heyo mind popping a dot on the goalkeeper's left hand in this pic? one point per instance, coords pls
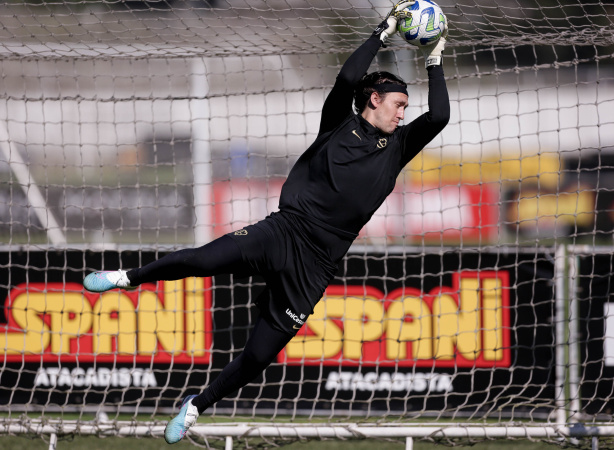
(389, 25)
(432, 53)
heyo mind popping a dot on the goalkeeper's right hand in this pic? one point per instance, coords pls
(433, 53)
(389, 25)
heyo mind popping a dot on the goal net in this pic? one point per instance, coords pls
(474, 305)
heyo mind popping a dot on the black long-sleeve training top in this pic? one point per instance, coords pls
(350, 169)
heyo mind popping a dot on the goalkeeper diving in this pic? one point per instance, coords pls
(330, 194)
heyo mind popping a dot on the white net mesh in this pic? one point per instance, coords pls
(479, 292)
(223, 28)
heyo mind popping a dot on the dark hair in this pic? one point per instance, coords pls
(368, 85)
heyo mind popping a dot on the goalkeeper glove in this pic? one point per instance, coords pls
(432, 53)
(389, 25)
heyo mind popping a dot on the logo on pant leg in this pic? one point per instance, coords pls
(298, 319)
(242, 232)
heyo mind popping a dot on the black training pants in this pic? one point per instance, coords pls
(261, 349)
(219, 256)
(265, 342)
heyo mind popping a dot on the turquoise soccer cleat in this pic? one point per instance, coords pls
(179, 426)
(107, 280)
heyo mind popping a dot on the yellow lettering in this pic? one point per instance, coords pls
(148, 323)
(363, 321)
(458, 324)
(106, 328)
(195, 316)
(430, 169)
(26, 310)
(465, 326)
(327, 340)
(492, 301)
(69, 323)
(399, 332)
(549, 210)
(70, 317)
(162, 323)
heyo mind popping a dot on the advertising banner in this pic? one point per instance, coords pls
(394, 332)
(63, 345)
(414, 212)
(414, 332)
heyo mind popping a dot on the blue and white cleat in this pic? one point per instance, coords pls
(107, 280)
(179, 426)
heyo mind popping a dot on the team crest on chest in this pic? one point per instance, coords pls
(383, 142)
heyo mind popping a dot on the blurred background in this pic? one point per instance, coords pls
(139, 127)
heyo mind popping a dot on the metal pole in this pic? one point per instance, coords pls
(201, 153)
(559, 314)
(36, 199)
(574, 337)
(409, 443)
(53, 441)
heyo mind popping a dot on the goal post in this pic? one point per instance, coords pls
(473, 306)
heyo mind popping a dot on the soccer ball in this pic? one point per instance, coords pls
(424, 24)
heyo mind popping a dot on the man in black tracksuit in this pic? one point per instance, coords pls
(330, 194)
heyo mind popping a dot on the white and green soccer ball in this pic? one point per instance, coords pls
(424, 24)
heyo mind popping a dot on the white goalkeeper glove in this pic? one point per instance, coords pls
(432, 53)
(389, 25)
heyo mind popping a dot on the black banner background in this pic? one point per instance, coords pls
(529, 380)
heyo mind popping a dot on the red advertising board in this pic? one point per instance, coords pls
(413, 212)
(61, 322)
(466, 324)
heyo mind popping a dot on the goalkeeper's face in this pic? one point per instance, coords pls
(386, 111)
